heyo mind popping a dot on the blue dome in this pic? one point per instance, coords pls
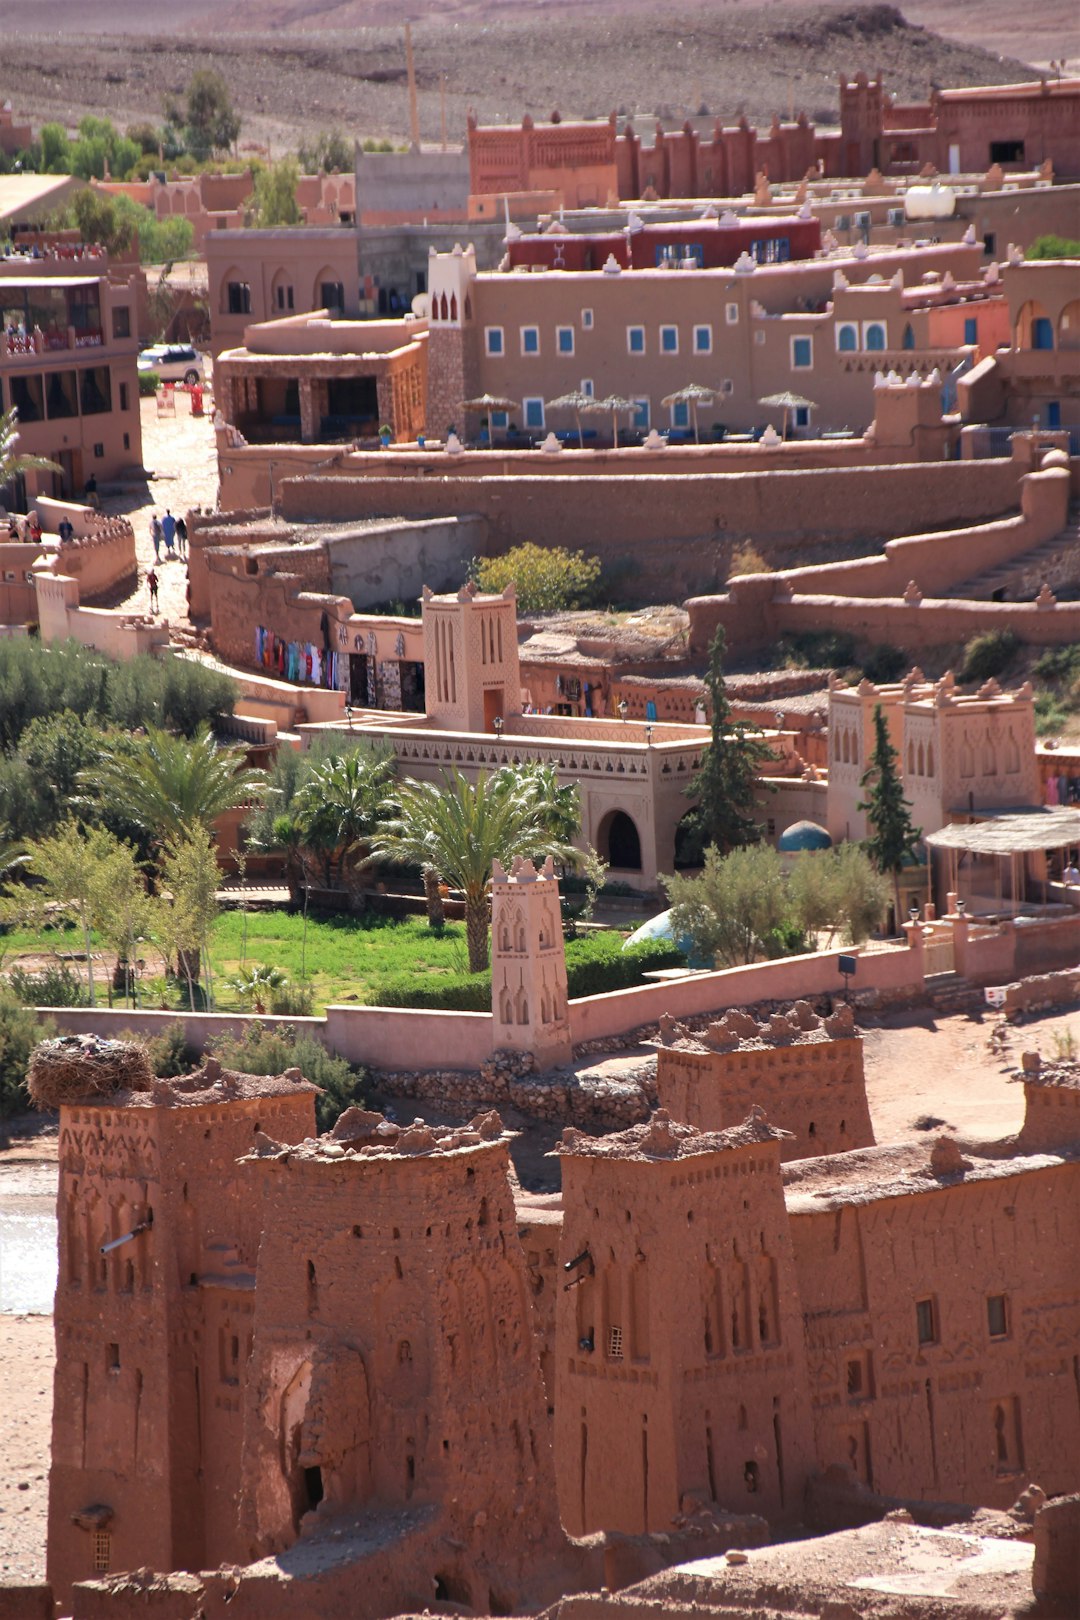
(803, 835)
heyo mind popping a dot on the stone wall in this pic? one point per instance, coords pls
(670, 536)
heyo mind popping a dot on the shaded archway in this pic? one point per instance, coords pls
(1034, 329)
(1069, 326)
(618, 841)
(688, 849)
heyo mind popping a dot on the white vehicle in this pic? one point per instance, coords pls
(172, 362)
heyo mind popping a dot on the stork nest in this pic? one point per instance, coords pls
(73, 1068)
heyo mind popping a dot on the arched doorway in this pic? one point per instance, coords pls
(1069, 326)
(1034, 329)
(619, 843)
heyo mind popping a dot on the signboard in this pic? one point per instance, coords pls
(848, 965)
(995, 995)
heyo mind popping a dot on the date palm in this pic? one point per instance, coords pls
(173, 783)
(12, 465)
(460, 828)
(340, 806)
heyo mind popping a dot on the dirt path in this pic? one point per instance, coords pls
(180, 456)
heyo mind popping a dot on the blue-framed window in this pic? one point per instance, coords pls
(499, 419)
(635, 339)
(874, 336)
(802, 416)
(676, 252)
(802, 353)
(669, 340)
(847, 337)
(971, 329)
(533, 410)
(530, 340)
(564, 339)
(494, 342)
(771, 249)
(703, 340)
(641, 415)
(680, 414)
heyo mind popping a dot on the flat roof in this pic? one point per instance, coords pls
(20, 192)
(37, 282)
(1011, 833)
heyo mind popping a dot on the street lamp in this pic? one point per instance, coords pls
(648, 735)
(623, 708)
(498, 724)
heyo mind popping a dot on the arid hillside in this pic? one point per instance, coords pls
(298, 66)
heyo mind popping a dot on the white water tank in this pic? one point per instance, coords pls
(929, 202)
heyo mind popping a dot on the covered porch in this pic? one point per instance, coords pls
(1012, 863)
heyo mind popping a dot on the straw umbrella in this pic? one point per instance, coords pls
(486, 403)
(694, 394)
(613, 403)
(575, 401)
(787, 402)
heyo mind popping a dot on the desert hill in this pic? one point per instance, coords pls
(298, 66)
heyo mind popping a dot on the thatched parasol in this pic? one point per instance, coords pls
(613, 403)
(484, 404)
(577, 401)
(787, 402)
(694, 394)
(74, 1067)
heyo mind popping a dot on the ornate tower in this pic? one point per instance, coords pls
(471, 657)
(679, 1349)
(451, 334)
(528, 964)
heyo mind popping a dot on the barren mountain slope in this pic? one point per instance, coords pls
(524, 56)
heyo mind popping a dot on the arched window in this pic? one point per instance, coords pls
(929, 759)
(847, 338)
(453, 306)
(922, 761)
(506, 1008)
(522, 1007)
(908, 339)
(875, 336)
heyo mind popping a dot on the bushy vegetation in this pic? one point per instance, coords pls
(549, 579)
(265, 1050)
(595, 965)
(1054, 247)
(1057, 672)
(20, 1031)
(989, 654)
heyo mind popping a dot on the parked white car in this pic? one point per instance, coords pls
(173, 362)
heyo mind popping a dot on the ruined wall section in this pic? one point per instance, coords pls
(804, 1072)
(942, 1322)
(679, 1346)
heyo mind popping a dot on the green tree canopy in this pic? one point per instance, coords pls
(548, 579)
(727, 783)
(893, 835)
(330, 153)
(12, 464)
(210, 124)
(174, 784)
(341, 805)
(274, 198)
(460, 828)
(730, 911)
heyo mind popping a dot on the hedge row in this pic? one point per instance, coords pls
(595, 965)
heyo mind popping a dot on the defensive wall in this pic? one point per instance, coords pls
(671, 538)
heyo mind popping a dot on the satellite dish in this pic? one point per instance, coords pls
(421, 305)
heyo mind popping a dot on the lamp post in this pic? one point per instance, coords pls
(498, 724)
(623, 708)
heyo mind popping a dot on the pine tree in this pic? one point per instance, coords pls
(893, 835)
(728, 780)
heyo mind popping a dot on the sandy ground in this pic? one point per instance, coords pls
(179, 455)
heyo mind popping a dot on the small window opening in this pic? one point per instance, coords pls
(615, 1352)
(313, 1487)
(926, 1321)
(751, 1477)
(854, 1378)
(112, 1358)
(997, 1316)
(102, 1551)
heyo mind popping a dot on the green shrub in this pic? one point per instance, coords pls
(1051, 715)
(884, 663)
(263, 1050)
(54, 986)
(293, 1000)
(1057, 665)
(169, 1052)
(149, 383)
(988, 654)
(442, 992)
(595, 963)
(817, 649)
(20, 1031)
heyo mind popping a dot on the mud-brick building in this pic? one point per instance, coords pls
(154, 1319)
(678, 1346)
(311, 379)
(801, 1070)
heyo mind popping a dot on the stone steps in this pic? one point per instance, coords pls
(1021, 577)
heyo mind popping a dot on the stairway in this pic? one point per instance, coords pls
(1057, 561)
(951, 993)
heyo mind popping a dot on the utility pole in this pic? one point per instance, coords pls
(442, 108)
(410, 68)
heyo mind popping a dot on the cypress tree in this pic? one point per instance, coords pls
(893, 834)
(727, 781)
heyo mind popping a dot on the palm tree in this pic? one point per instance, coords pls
(173, 783)
(12, 465)
(461, 828)
(340, 806)
(558, 806)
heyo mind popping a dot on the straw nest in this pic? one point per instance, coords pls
(75, 1067)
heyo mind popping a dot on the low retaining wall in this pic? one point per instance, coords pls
(790, 979)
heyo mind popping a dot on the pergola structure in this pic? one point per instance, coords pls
(1017, 845)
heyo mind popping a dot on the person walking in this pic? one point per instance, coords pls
(152, 581)
(181, 537)
(168, 531)
(156, 536)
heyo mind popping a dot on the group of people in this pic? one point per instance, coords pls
(27, 529)
(169, 532)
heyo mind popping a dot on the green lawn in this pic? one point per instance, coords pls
(345, 957)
